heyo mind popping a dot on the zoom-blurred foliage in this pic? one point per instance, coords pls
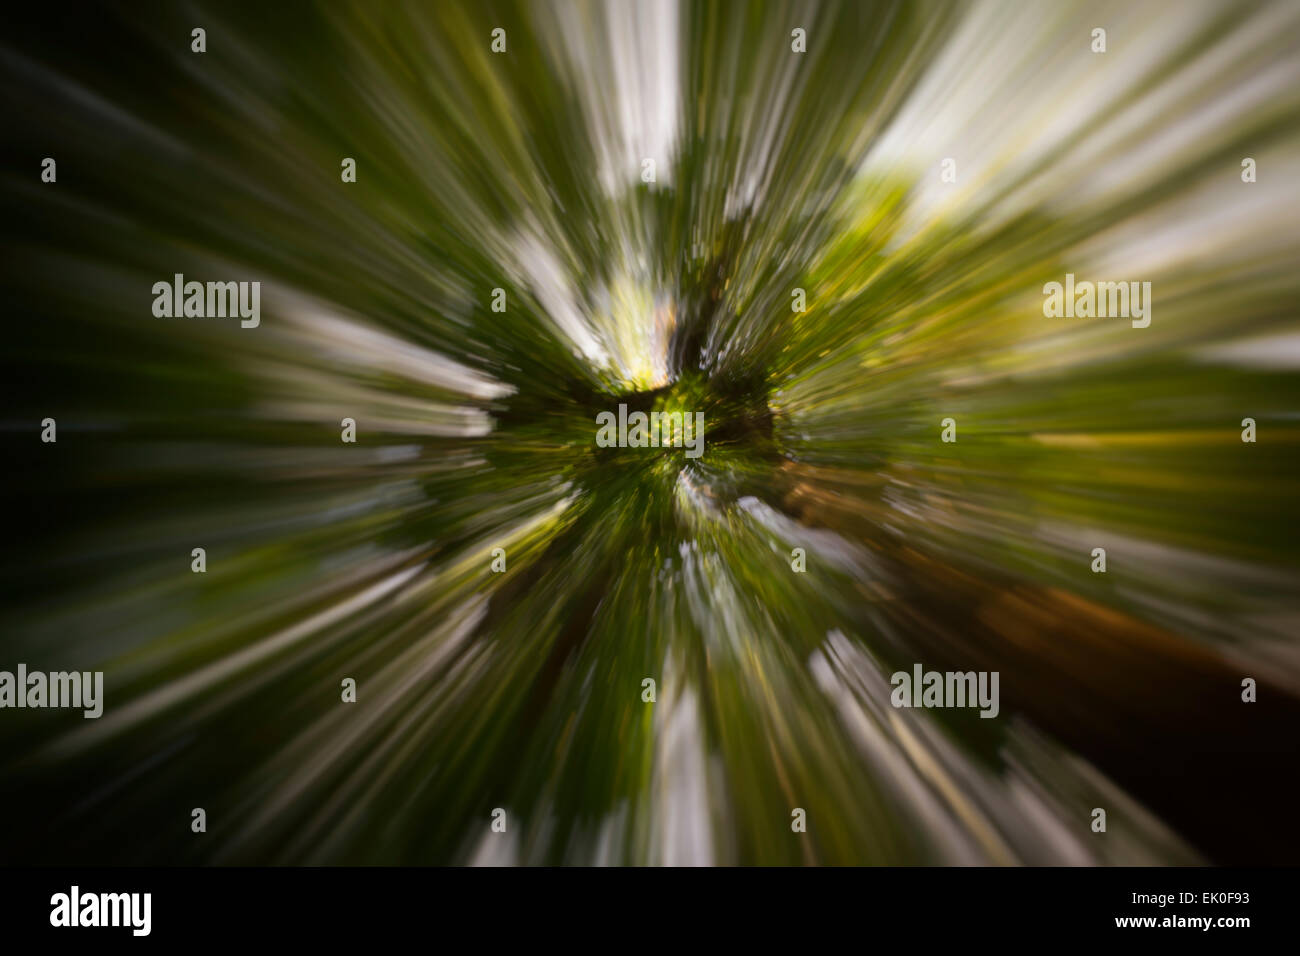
(774, 171)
